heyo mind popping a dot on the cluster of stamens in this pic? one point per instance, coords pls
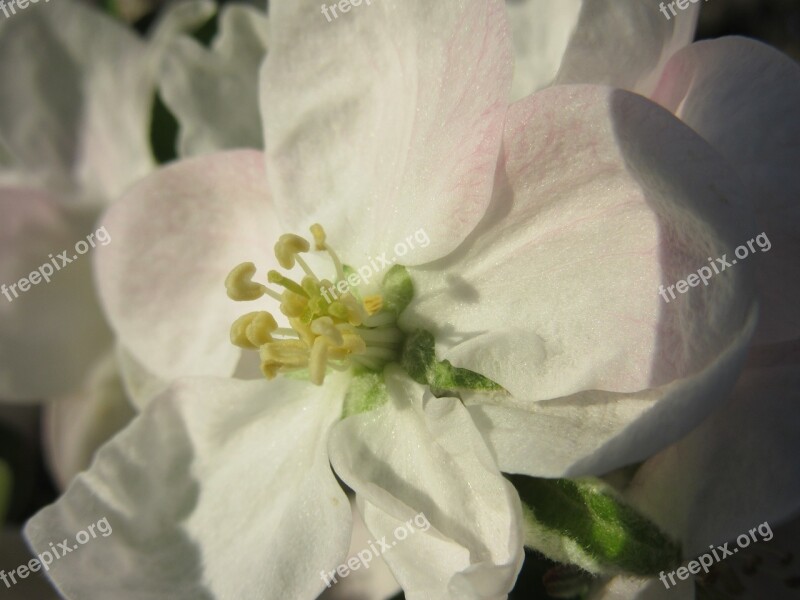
(324, 332)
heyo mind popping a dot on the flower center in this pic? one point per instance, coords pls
(326, 329)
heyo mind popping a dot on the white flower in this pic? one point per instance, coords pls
(551, 225)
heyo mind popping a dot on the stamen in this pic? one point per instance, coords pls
(277, 278)
(260, 327)
(291, 353)
(288, 247)
(324, 332)
(304, 266)
(240, 284)
(324, 327)
(373, 303)
(318, 361)
(320, 244)
(239, 331)
(293, 305)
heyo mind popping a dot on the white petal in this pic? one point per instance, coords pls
(556, 295)
(422, 458)
(77, 116)
(214, 92)
(373, 582)
(744, 98)
(593, 432)
(403, 128)
(51, 334)
(140, 385)
(176, 236)
(76, 113)
(220, 489)
(557, 291)
(625, 43)
(75, 426)
(540, 30)
(735, 471)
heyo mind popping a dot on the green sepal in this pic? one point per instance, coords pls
(397, 289)
(419, 361)
(367, 391)
(585, 522)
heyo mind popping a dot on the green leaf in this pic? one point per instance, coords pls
(585, 522)
(366, 392)
(397, 289)
(419, 361)
(6, 482)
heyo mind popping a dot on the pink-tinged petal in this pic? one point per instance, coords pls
(602, 196)
(76, 425)
(419, 464)
(744, 98)
(735, 471)
(625, 43)
(51, 334)
(402, 130)
(219, 489)
(175, 237)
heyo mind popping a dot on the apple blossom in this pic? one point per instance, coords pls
(527, 337)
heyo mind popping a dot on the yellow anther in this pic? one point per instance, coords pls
(339, 310)
(293, 305)
(318, 361)
(355, 312)
(260, 327)
(240, 284)
(286, 353)
(373, 303)
(311, 287)
(319, 236)
(269, 369)
(288, 247)
(354, 344)
(328, 329)
(253, 330)
(324, 327)
(303, 329)
(239, 331)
